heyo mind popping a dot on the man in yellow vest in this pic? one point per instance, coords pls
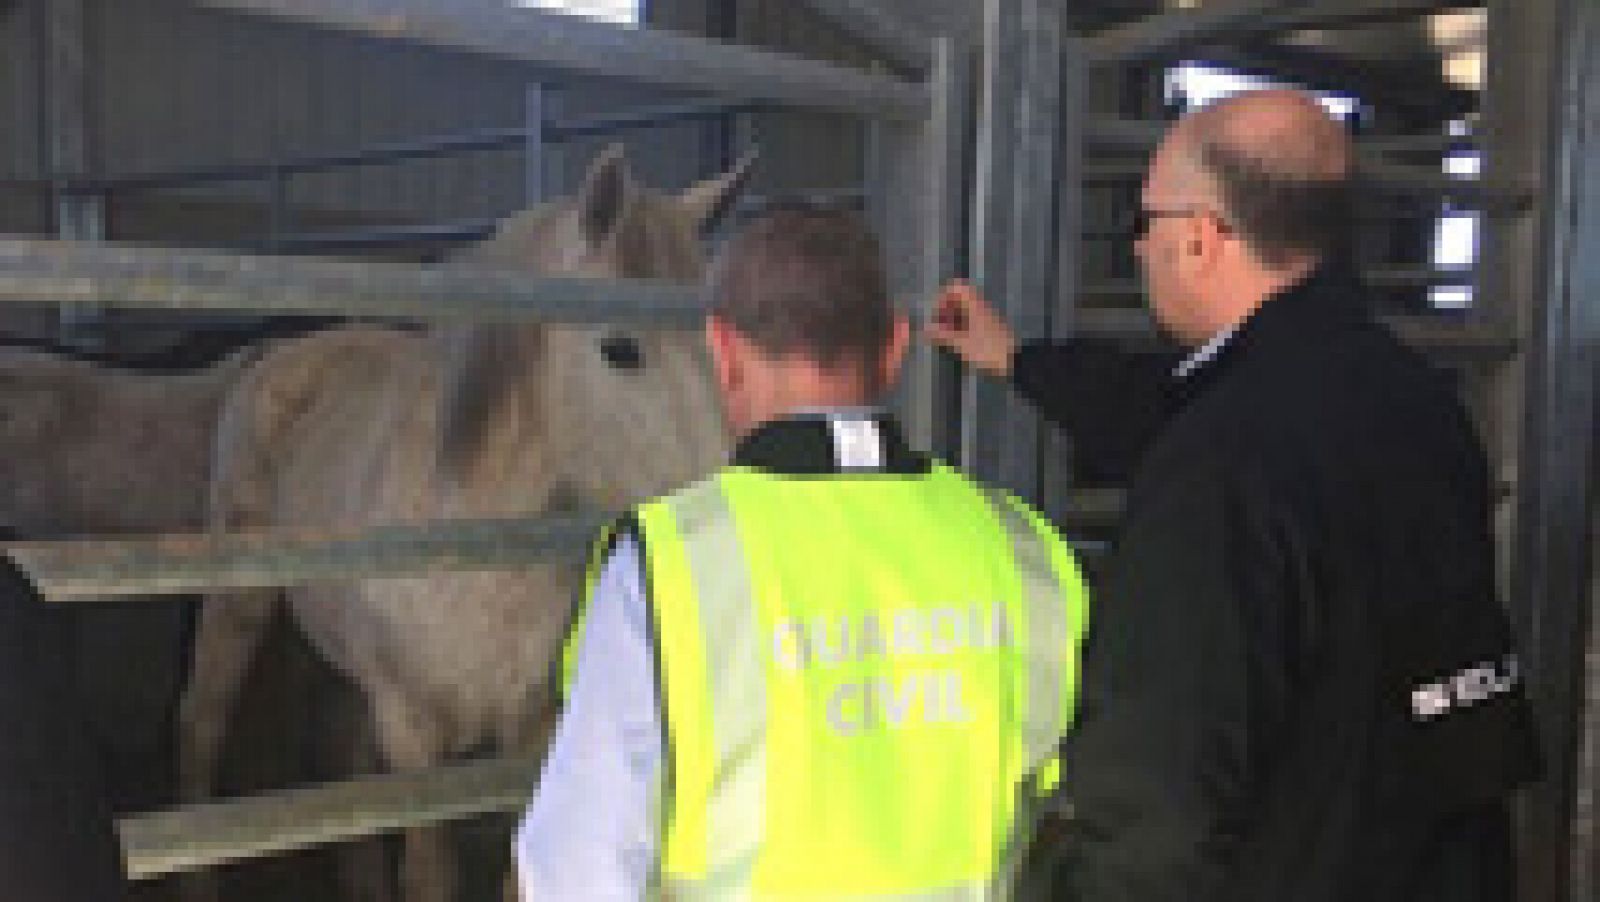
(835, 668)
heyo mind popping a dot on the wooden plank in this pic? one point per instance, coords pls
(211, 834)
(582, 48)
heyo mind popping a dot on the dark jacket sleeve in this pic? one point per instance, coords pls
(56, 835)
(1109, 400)
(1179, 683)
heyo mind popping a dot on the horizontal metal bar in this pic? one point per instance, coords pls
(570, 44)
(1419, 277)
(1126, 135)
(650, 117)
(179, 564)
(1376, 170)
(1495, 198)
(479, 140)
(36, 271)
(854, 198)
(1425, 145)
(1444, 338)
(897, 41)
(1384, 277)
(379, 236)
(95, 569)
(1170, 32)
(211, 834)
(1348, 14)
(1142, 135)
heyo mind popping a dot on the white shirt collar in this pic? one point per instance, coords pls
(1206, 353)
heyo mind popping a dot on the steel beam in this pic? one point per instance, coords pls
(70, 136)
(916, 183)
(1057, 482)
(90, 569)
(588, 49)
(207, 835)
(897, 42)
(536, 146)
(1013, 236)
(1349, 13)
(416, 149)
(1168, 34)
(1502, 195)
(1171, 32)
(133, 569)
(59, 272)
(1558, 467)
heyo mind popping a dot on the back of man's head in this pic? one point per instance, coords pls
(808, 282)
(1282, 168)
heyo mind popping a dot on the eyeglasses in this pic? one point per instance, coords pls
(1140, 220)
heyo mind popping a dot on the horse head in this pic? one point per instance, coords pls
(622, 412)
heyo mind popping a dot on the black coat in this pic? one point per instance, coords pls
(1305, 564)
(56, 837)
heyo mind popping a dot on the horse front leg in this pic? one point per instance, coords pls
(409, 738)
(230, 632)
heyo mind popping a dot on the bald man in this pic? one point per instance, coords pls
(1299, 686)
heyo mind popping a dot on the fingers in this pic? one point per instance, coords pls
(952, 314)
(963, 323)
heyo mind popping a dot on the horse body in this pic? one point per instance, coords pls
(363, 426)
(96, 450)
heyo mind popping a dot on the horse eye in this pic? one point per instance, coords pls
(622, 351)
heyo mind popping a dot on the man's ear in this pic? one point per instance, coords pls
(894, 353)
(721, 343)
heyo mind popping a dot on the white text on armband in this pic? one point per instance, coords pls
(1472, 686)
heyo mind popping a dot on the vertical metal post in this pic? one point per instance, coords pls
(1013, 235)
(1056, 465)
(79, 217)
(1535, 410)
(277, 208)
(915, 193)
(1554, 575)
(717, 137)
(535, 162)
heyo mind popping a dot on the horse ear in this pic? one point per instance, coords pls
(708, 201)
(605, 193)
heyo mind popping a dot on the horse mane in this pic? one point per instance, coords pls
(484, 363)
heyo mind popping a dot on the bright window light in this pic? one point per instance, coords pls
(1195, 84)
(622, 12)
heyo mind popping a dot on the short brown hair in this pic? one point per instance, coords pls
(1281, 214)
(801, 279)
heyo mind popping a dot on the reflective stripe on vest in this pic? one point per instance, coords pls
(861, 678)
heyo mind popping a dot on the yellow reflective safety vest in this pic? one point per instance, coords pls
(864, 678)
